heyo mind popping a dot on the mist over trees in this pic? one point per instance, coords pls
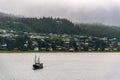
(56, 26)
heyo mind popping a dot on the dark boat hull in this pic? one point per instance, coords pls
(37, 66)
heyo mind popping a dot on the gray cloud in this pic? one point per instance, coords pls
(100, 11)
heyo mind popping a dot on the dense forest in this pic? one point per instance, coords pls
(56, 26)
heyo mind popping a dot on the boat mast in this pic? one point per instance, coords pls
(35, 58)
(38, 59)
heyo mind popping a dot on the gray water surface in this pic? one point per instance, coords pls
(60, 66)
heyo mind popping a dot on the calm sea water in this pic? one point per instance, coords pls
(61, 66)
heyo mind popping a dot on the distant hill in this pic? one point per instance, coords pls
(3, 15)
(99, 30)
(56, 26)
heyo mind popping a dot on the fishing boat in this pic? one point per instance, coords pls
(37, 64)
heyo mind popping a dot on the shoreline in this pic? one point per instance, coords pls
(59, 52)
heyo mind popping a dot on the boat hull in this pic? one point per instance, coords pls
(37, 66)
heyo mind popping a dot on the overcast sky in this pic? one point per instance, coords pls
(100, 11)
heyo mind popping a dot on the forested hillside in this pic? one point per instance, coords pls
(99, 30)
(56, 26)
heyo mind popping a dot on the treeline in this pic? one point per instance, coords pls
(57, 26)
(50, 25)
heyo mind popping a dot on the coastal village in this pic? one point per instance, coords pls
(12, 41)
